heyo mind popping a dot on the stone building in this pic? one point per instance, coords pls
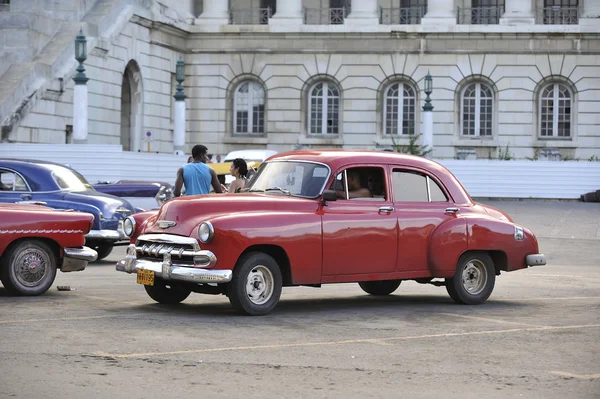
(511, 78)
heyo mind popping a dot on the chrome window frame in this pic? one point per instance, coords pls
(4, 168)
(428, 178)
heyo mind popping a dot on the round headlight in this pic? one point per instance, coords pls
(129, 226)
(206, 232)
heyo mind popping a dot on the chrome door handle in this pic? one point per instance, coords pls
(452, 210)
(386, 209)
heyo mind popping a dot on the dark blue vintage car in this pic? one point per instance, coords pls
(60, 187)
(143, 194)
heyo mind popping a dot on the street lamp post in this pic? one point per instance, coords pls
(428, 115)
(179, 123)
(80, 93)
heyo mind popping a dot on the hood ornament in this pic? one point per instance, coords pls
(165, 224)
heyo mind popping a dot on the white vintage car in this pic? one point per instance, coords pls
(254, 158)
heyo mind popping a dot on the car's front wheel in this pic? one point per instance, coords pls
(167, 294)
(256, 284)
(380, 288)
(28, 268)
(473, 280)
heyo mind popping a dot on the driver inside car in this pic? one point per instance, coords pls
(354, 187)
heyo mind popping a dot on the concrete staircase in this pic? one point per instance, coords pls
(37, 47)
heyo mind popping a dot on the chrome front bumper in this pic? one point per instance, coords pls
(535, 260)
(76, 259)
(108, 235)
(168, 270)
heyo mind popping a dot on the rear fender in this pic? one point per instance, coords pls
(494, 235)
(448, 242)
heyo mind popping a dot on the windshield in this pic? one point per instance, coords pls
(68, 179)
(298, 178)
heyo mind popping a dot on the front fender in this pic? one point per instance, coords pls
(141, 220)
(298, 234)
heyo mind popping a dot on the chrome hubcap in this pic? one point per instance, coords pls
(259, 285)
(474, 277)
(31, 267)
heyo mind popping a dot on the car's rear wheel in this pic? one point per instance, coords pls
(28, 268)
(166, 293)
(256, 284)
(380, 288)
(473, 280)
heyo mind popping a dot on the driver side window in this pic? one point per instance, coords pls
(362, 183)
(10, 181)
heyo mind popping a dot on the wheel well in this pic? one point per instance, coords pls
(280, 257)
(51, 243)
(500, 260)
(498, 257)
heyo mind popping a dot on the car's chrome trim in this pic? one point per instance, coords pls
(168, 270)
(83, 253)
(535, 260)
(109, 235)
(170, 239)
(41, 231)
(76, 259)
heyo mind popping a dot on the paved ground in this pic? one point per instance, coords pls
(537, 336)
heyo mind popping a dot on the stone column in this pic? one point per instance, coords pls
(179, 128)
(179, 122)
(215, 12)
(518, 12)
(590, 13)
(363, 12)
(440, 12)
(289, 12)
(80, 113)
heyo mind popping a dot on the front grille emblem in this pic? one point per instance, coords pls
(165, 224)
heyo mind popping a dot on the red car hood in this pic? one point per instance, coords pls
(25, 207)
(189, 212)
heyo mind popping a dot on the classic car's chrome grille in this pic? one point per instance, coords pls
(183, 250)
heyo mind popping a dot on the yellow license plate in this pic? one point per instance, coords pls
(145, 277)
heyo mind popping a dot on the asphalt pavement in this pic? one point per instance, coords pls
(536, 337)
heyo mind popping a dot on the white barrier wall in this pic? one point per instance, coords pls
(481, 178)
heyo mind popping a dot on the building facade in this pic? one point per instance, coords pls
(511, 78)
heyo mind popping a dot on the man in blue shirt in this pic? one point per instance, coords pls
(197, 175)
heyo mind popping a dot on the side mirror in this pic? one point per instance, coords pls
(329, 195)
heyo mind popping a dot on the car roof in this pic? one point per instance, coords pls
(35, 172)
(250, 155)
(337, 159)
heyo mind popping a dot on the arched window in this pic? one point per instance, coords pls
(249, 108)
(555, 111)
(399, 109)
(477, 111)
(324, 106)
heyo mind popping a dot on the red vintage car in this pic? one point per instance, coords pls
(35, 241)
(317, 217)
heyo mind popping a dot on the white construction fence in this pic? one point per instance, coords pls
(481, 178)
